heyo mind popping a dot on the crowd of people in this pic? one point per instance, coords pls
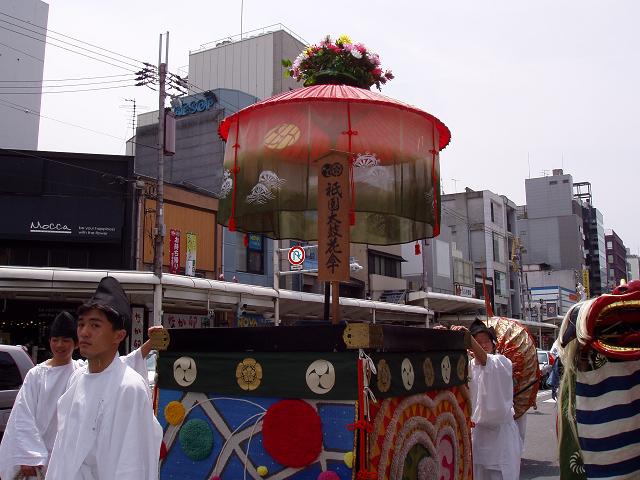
(84, 420)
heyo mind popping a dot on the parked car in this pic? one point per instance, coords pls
(14, 365)
(545, 362)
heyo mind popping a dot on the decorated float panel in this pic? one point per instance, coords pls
(314, 402)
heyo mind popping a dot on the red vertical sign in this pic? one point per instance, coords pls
(174, 251)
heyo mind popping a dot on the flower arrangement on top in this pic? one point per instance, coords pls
(339, 62)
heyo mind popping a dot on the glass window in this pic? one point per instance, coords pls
(10, 378)
(250, 253)
(609, 245)
(255, 263)
(500, 287)
(380, 265)
(496, 248)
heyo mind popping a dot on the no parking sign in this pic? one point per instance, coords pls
(296, 257)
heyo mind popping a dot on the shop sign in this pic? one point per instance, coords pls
(255, 242)
(192, 246)
(250, 320)
(137, 327)
(181, 320)
(174, 251)
(194, 105)
(77, 218)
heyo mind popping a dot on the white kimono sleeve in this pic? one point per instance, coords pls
(136, 361)
(22, 443)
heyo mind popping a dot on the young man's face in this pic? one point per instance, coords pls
(485, 341)
(96, 335)
(62, 348)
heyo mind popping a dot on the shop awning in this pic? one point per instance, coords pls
(445, 303)
(192, 293)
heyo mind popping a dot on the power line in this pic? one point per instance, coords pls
(71, 38)
(69, 50)
(29, 111)
(66, 79)
(68, 91)
(114, 176)
(68, 85)
(23, 52)
(64, 42)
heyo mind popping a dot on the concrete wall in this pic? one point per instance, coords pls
(199, 150)
(22, 58)
(252, 65)
(550, 196)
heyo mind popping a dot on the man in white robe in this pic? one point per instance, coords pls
(32, 425)
(495, 438)
(106, 426)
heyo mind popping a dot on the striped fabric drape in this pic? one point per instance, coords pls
(608, 420)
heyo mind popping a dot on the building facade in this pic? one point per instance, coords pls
(67, 210)
(594, 246)
(251, 63)
(551, 227)
(633, 266)
(616, 259)
(481, 226)
(22, 50)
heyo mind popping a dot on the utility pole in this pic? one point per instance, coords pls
(158, 253)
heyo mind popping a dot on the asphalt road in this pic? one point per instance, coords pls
(540, 457)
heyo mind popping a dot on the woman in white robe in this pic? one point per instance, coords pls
(32, 426)
(495, 439)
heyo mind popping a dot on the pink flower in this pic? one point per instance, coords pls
(361, 48)
(376, 72)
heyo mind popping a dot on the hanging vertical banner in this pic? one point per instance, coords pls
(333, 218)
(137, 327)
(174, 251)
(585, 282)
(192, 245)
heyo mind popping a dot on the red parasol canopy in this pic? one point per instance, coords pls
(336, 93)
(273, 151)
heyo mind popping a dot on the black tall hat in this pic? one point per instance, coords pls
(110, 298)
(478, 326)
(64, 325)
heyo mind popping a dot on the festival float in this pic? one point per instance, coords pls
(331, 162)
(599, 394)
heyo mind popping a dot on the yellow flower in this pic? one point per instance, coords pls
(344, 39)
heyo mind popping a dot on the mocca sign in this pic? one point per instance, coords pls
(62, 219)
(37, 227)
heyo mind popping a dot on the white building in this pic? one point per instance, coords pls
(633, 266)
(481, 227)
(21, 66)
(251, 64)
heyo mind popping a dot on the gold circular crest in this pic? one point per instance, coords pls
(384, 376)
(159, 339)
(429, 373)
(282, 136)
(249, 374)
(462, 363)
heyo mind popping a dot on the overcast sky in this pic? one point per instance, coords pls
(524, 86)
